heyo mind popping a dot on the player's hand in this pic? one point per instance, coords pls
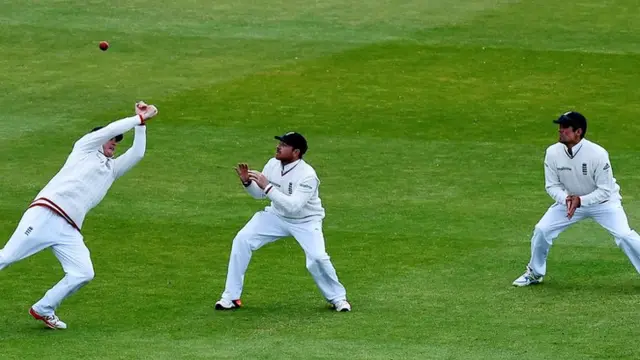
(573, 202)
(140, 107)
(243, 173)
(260, 179)
(145, 111)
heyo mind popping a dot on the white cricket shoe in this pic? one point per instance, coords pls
(342, 306)
(528, 278)
(223, 304)
(51, 321)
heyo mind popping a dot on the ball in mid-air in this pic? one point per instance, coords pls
(104, 45)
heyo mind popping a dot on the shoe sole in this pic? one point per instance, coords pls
(236, 305)
(40, 318)
(529, 284)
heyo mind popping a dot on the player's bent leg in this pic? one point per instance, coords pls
(552, 223)
(311, 239)
(263, 228)
(69, 285)
(241, 252)
(630, 244)
(326, 278)
(75, 259)
(612, 217)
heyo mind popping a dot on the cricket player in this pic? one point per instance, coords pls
(55, 216)
(295, 210)
(579, 178)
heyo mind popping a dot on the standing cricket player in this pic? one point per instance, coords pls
(579, 178)
(55, 217)
(295, 210)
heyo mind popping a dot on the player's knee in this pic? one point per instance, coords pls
(313, 260)
(243, 240)
(84, 276)
(541, 237)
(541, 232)
(629, 236)
(540, 229)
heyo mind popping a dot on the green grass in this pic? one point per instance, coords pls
(427, 124)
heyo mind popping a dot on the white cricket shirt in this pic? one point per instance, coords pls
(88, 174)
(585, 172)
(293, 191)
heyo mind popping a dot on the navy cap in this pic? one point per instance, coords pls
(117, 137)
(295, 140)
(573, 119)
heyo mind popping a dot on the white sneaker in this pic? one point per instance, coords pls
(223, 304)
(51, 321)
(528, 278)
(342, 306)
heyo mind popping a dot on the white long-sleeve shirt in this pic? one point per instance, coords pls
(88, 174)
(585, 172)
(293, 191)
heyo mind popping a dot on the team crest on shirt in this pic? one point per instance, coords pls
(290, 188)
(584, 169)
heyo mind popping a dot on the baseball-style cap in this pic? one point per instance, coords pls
(294, 140)
(117, 137)
(573, 119)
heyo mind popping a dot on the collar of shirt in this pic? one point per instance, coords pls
(574, 150)
(102, 156)
(286, 168)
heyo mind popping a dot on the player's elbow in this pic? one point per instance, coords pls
(551, 191)
(552, 187)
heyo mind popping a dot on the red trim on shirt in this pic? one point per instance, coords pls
(44, 202)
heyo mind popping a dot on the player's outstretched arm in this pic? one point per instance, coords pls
(131, 157)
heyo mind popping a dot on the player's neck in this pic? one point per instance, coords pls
(287, 162)
(571, 148)
(571, 145)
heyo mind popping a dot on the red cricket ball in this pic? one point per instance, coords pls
(104, 45)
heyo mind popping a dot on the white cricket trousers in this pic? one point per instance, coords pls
(264, 228)
(610, 215)
(41, 228)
